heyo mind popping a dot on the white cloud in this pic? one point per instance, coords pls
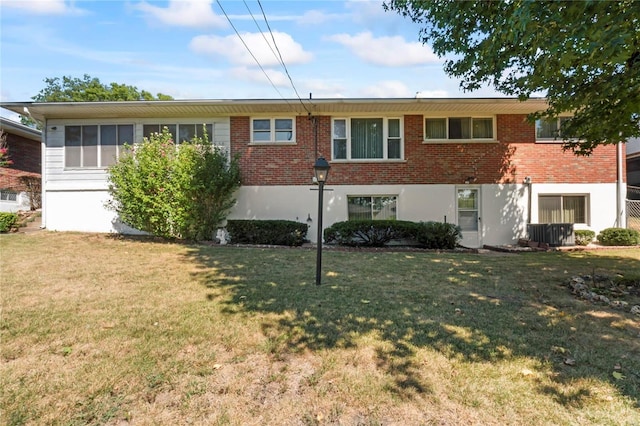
(387, 89)
(432, 94)
(44, 7)
(260, 44)
(183, 13)
(387, 51)
(317, 17)
(279, 79)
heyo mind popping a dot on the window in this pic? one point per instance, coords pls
(367, 138)
(468, 209)
(272, 130)
(549, 129)
(458, 128)
(562, 209)
(95, 146)
(372, 207)
(7, 195)
(184, 132)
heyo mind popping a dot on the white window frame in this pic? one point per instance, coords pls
(8, 195)
(385, 138)
(556, 139)
(587, 205)
(462, 140)
(273, 131)
(371, 197)
(99, 161)
(176, 136)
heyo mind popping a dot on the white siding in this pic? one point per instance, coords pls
(58, 178)
(73, 200)
(503, 208)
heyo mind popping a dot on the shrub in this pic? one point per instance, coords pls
(182, 191)
(276, 232)
(584, 236)
(438, 235)
(619, 237)
(369, 233)
(379, 233)
(32, 185)
(7, 221)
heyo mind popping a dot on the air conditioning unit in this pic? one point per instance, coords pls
(554, 234)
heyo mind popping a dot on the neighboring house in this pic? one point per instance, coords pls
(24, 150)
(633, 164)
(474, 162)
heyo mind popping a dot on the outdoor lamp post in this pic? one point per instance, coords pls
(321, 170)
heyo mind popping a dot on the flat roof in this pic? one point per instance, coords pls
(245, 107)
(19, 129)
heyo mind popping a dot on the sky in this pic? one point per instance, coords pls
(226, 49)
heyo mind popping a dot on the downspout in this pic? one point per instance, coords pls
(527, 182)
(620, 213)
(43, 171)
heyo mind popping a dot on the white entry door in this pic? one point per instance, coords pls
(469, 220)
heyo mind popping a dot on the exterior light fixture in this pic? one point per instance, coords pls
(321, 171)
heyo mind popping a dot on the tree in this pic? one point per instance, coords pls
(5, 161)
(174, 191)
(88, 89)
(585, 55)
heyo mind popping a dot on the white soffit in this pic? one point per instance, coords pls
(206, 108)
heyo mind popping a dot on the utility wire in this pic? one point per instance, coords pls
(275, 55)
(280, 56)
(251, 53)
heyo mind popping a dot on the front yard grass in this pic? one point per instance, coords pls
(98, 329)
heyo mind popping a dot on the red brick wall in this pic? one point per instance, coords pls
(511, 160)
(25, 154)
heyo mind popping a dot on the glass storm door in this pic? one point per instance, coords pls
(468, 201)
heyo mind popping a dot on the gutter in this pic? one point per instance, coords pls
(43, 179)
(620, 197)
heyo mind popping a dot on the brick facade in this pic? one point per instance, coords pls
(25, 154)
(513, 158)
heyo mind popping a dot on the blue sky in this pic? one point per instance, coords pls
(189, 50)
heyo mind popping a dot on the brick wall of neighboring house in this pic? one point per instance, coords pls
(516, 156)
(25, 154)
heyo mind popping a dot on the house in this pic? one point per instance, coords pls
(633, 164)
(22, 176)
(474, 162)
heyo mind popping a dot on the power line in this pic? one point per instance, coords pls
(280, 56)
(275, 55)
(251, 53)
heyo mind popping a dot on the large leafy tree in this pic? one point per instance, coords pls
(584, 55)
(89, 89)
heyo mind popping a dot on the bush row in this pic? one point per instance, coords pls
(7, 221)
(379, 233)
(619, 237)
(275, 232)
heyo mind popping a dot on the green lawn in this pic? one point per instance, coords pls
(107, 330)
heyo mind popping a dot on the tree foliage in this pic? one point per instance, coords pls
(585, 55)
(174, 191)
(89, 89)
(5, 161)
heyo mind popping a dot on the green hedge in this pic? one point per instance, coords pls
(273, 232)
(369, 233)
(7, 221)
(619, 237)
(438, 235)
(584, 236)
(380, 233)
